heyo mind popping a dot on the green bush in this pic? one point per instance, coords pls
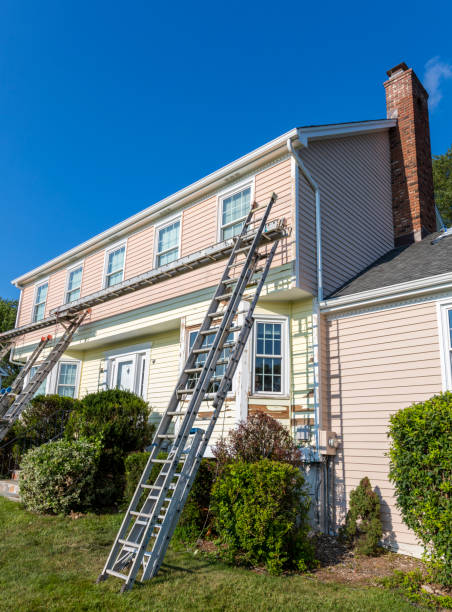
(196, 509)
(410, 585)
(363, 526)
(421, 470)
(44, 418)
(59, 476)
(260, 512)
(118, 420)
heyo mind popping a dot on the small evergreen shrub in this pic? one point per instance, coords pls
(59, 476)
(260, 437)
(196, 509)
(44, 418)
(421, 470)
(260, 512)
(118, 421)
(363, 526)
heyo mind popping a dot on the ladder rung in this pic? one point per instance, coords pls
(176, 413)
(111, 572)
(208, 348)
(196, 370)
(216, 315)
(138, 513)
(129, 543)
(213, 330)
(167, 436)
(207, 396)
(223, 296)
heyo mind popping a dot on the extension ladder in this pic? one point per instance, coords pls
(145, 533)
(10, 411)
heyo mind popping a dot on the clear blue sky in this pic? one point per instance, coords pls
(106, 107)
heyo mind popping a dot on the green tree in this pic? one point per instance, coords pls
(442, 180)
(8, 311)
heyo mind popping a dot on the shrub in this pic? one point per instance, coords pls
(260, 514)
(410, 585)
(118, 420)
(420, 454)
(59, 476)
(363, 525)
(196, 509)
(260, 437)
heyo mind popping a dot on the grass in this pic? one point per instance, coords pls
(51, 563)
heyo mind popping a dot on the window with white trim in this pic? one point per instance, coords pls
(201, 358)
(41, 390)
(40, 301)
(67, 379)
(74, 283)
(129, 372)
(114, 266)
(446, 336)
(269, 357)
(168, 243)
(234, 209)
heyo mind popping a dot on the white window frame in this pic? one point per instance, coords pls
(285, 356)
(443, 308)
(76, 266)
(140, 354)
(168, 221)
(52, 377)
(40, 283)
(114, 247)
(232, 391)
(226, 193)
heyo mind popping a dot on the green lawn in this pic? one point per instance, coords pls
(51, 563)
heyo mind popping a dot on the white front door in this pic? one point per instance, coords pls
(124, 373)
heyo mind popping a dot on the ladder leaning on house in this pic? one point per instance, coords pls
(145, 533)
(15, 399)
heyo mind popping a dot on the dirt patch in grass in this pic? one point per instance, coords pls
(339, 564)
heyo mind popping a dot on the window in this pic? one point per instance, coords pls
(128, 371)
(41, 390)
(234, 209)
(268, 357)
(40, 301)
(168, 243)
(67, 377)
(445, 312)
(74, 282)
(201, 358)
(114, 269)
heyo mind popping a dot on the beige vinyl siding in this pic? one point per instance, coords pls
(378, 362)
(353, 174)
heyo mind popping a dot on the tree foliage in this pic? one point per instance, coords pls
(421, 470)
(442, 180)
(260, 437)
(8, 312)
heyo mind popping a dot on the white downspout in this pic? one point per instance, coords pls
(316, 312)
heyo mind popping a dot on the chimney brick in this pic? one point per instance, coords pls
(413, 201)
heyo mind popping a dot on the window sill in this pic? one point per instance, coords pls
(278, 396)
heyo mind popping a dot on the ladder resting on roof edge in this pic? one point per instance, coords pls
(145, 533)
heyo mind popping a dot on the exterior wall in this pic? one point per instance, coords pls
(199, 229)
(378, 362)
(353, 174)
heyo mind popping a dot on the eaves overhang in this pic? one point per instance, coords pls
(338, 130)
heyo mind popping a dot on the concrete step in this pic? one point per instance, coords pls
(10, 489)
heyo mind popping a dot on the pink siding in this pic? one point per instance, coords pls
(378, 363)
(199, 229)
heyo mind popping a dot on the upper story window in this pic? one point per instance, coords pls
(114, 267)
(74, 283)
(446, 344)
(168, 243)
(40, 301)
(201, 358)
(269, 357)
(234, 209)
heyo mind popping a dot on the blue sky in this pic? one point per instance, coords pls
(106, 107)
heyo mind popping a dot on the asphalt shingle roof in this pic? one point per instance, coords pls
(418, 260)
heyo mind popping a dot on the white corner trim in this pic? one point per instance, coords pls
(442, 309)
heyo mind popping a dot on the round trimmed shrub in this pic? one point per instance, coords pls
(260, 512)
(421, 470)
(118, 421)
(59, 476)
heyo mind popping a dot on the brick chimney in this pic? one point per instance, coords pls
(413, 203)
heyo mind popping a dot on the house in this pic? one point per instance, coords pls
(348, 194)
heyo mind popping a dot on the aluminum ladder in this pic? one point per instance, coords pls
(10, 411)
(145, 532)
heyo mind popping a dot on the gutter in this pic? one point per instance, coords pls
(419, 287)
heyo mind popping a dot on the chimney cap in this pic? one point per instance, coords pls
(397, 69)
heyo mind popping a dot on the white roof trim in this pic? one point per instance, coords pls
(429, 284)
(319, 132)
